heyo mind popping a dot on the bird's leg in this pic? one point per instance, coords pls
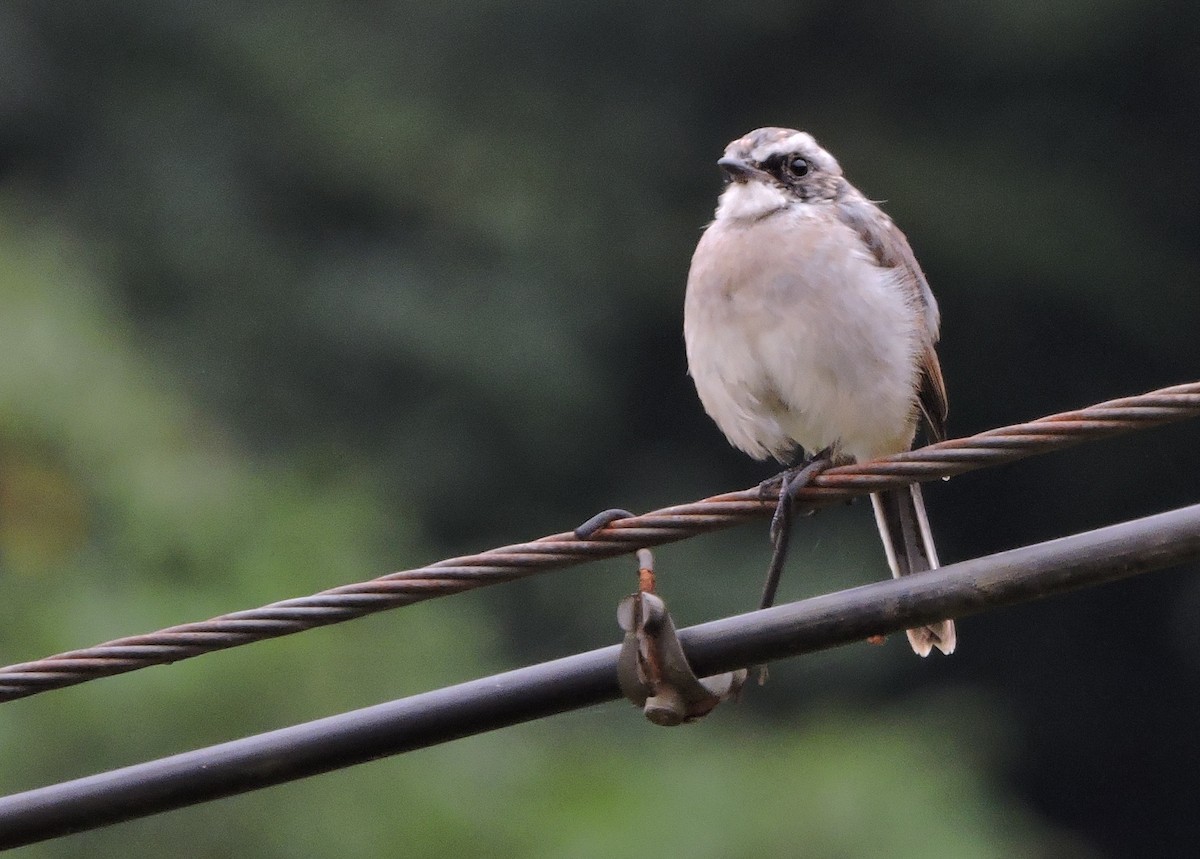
(791, 482)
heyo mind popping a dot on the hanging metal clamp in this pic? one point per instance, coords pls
(652, 670)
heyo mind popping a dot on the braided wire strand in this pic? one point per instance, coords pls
(623, 536)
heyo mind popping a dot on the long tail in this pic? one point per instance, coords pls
(904, 528)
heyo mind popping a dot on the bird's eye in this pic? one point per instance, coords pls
(798, 167)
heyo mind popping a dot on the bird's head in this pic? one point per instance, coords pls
(771, 169)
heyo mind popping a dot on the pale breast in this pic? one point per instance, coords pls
(796, 337)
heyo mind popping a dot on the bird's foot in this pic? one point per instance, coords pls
(790, 482)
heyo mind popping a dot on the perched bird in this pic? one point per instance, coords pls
(810, 334)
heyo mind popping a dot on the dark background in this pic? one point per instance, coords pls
(297, 294)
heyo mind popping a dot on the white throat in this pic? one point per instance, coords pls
(751, 201)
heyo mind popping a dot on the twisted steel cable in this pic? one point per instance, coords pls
(623, 536)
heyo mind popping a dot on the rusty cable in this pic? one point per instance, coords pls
(622, 536)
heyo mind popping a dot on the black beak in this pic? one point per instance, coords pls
(737, 170)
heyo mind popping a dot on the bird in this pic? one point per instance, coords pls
(810, 332)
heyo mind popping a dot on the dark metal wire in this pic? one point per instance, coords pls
(584, 679)
(620, 537)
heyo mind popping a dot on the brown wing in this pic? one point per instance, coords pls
(891, 250)
(932, 396)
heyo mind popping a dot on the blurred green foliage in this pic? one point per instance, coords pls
(295, 294)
